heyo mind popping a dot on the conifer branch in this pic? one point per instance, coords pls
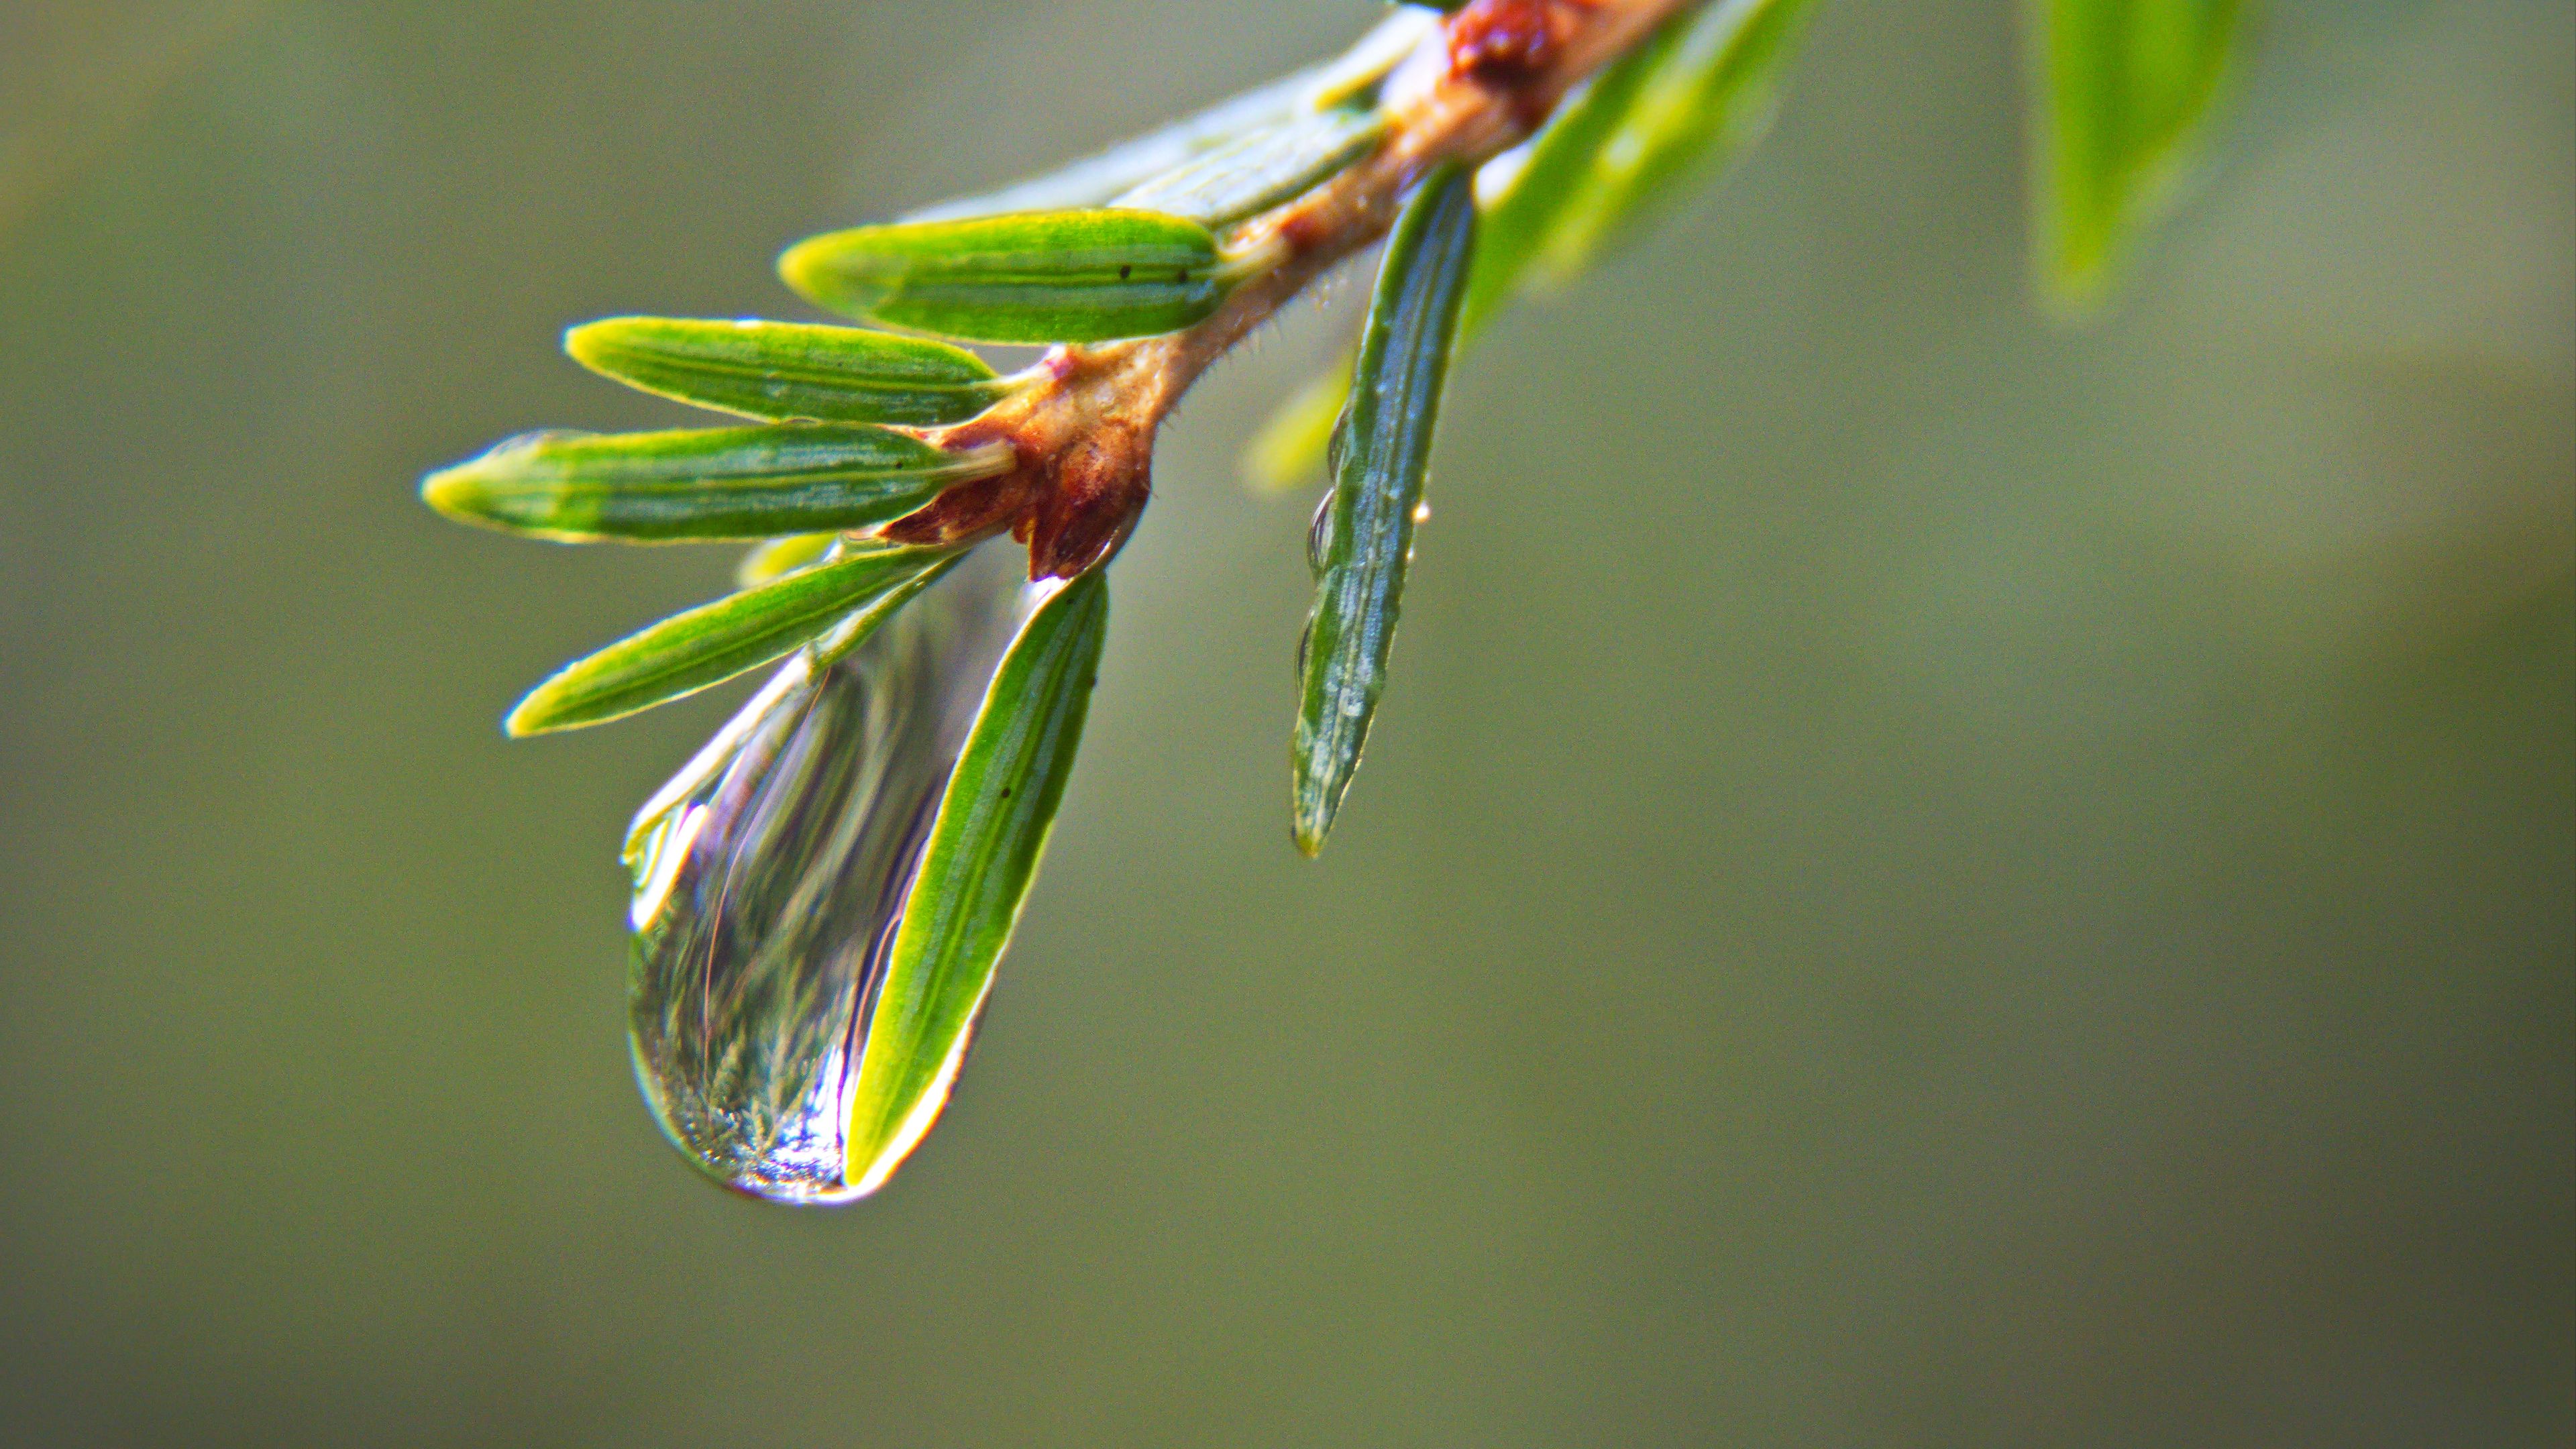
(1084, 435)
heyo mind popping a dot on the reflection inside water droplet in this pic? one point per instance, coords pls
(770, 876)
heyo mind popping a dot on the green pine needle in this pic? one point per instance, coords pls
(708, 645)
(976, 869)
(714, 483)
(1059, 276)
(785, 372)
(1384, 453)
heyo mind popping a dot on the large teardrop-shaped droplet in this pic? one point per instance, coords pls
(770, 875)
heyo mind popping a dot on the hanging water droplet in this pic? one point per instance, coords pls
(1317, 534)
(1305, 645)
(770, 875)
(1422, 511)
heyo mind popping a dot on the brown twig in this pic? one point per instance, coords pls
(1084, 436)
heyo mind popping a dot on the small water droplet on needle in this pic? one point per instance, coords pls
(1316, 532)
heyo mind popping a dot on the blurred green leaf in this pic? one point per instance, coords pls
(715, 483)
(2126, 88)
(1360, 72)
(1696, 93)
(1094, 180)
(707, 646)
(779, 557)
(1057, 276)
(1261, 170)
(1290, 446)
(1549, 175)
(981, 856)
(781, 371)
(1704, 88)
(1382, 457)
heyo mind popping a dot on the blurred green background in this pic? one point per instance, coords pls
(1924, 879)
